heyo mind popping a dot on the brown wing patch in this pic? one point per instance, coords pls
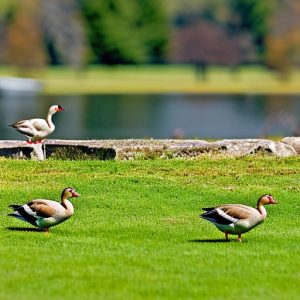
(17, 123)
(42, 209)
(236, 212)
(38, 126)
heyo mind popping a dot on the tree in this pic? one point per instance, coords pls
(154, 30)
(253, 16)
(63, 32)
(25, 47)
(283, 41)
(207, 43)
(182, 12)
(132, 31)
(42, 31)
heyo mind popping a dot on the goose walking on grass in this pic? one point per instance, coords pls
(237, 218)
(37, 129)
(44, 213)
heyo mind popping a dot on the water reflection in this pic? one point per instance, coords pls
(157, 116)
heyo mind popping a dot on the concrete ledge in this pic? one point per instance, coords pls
(294, 142)
(146, 149)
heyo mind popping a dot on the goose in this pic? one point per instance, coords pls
(44, 213)
(237, 218)
(37, 129)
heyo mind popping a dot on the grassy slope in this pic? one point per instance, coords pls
(162, 79)
(136, 232)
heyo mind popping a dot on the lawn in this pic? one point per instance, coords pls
(136, 233)
(162, 79)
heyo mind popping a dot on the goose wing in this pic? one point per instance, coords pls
(43, 208)
(25, 127)
(40, 124)
(34, 210)
(238, 212)
(30, 127)
(227, 214)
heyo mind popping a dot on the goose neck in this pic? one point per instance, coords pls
(68, 206)
(262, 210)
(49, 120)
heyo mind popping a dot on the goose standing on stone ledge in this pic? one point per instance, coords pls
(237, 218)
(44, 213)
(37, 129)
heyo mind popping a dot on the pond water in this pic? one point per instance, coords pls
(157, 116)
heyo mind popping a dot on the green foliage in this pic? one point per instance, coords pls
(130, 31)
(187, 11)
(136, 233)
(253, 15)
(154, 31)
(6, 6)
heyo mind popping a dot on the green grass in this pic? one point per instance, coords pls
(136, 233)
(162, 79)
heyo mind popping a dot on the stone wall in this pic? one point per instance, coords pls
(147, 148)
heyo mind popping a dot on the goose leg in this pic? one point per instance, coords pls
(226, 236)
(44, 150)
(239, 238)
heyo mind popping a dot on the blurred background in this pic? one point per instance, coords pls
(152, 68)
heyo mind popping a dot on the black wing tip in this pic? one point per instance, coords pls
(207, 213)
(14, 206)
(202, 216)
(12, 215)
(213, 216)
(208, 208)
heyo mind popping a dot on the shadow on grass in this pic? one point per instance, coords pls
(25, 229)
(209, 241)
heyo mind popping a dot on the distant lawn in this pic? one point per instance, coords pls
(163, 79)
(136, 233)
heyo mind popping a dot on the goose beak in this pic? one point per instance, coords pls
(272, 201)
(75, 194)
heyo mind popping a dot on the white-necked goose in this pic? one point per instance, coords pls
(237, 218)
(44, 213)
(37, 129)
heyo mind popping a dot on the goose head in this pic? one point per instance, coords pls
(266, 199)
(69, 192)
(55, 108)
